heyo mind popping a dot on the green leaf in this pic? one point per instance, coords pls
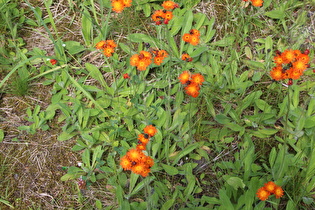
(74, 47)
(86, 158)
(226, 41)
(1, 135)
(66, 136)
(235, 182)
(87, 27)
(222, 119)
(96, 74)
(185, 152)
(276, 14)
(170, 169)
(225, 200)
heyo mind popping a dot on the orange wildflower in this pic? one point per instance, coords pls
(187, 37)
(125, 163)
(186, 57)
(148, 161)
(53, 61)
(168, 15)
(150, 130)
(158, 60)
(111, 43)
(197, 79)
(300, 65)
(194, 40)
(141, 147)
(145, 172)
(134, 60)
(184, 77)
(276, 73)
(270, 186)
(303, 57)
(278, 60)
(192, 90)
(194, 32)
(135, 155)
(169, 5)
(127, 3)
(108, 51)
(100, 45)
(262, 193)
(288, 56)
(117, 6)
(278, 192)
(257, 3)
(138, 168)
(143, 139)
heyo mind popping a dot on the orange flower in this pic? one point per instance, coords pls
(192, 90)
(158, 60)
(187, 37)
(53, 61)
(135, 155)
(276, 73)
(148, 161)
(108, 51)
(288, 56)
(143, 64)
(186, 57)
(150, 130)
(169, 5)
(162, 53)
(168, 15)
(270, 187)
(158, 15)
(111, 43)
(117, 6)
(194, 32)
(304, 58)
(145, 172)
(138, 168)
(141, 147)
(100, 45)
(126, 76)
(197, 79)
(294, 73)
(278, 60)
(184, 77)
(143, 139)
(262, 193)
(145, 54)
(127, 3)
(134, 60)
(278, 192)
(194, 40)
(257, 3)
(125, 163)
(299, 65)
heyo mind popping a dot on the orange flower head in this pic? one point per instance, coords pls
(297, 53)
(117, 6)
(150, 130)
(192, 90)
(127, 3)
(194, 40)
(278, 192)
(145, 172)
(288, 56)
(262, 193)
(111, 43)
(300, 65)
(143, 139)
(134, 60)
(135, 155)
(276, 73)
(278, 60)
(184, 77)
(197, 78)
(108, 51)
(138, 168)
(304, 58)
(148, 161)
(125, 163)
(270, 187)
(257, 3)
(100, 45)
(186, 57)
(158, 15)
(145, 54)
(141, 147)
(126, 76)
(169, 5)
(187, 37)
(194, 32)
(143, 64)
(158, 60)
(162, 53)
(53, 61)
(294, 73)
(168, 15)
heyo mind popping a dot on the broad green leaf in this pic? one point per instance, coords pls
(74, 47)
(86, 155)
(226, 41)
(87, 27)
(66, 136)
(1, 135)
(235, 182)
(96, 74)
(170, 169)
(276, 14)
(168, 204)
(185, 152)
(225, 200)
(222, 119)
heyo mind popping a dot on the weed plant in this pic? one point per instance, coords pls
(175, 105)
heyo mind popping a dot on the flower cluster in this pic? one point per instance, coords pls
(108, 47)
(135, 159)
(192, 37)
(119, 5)
(164, 15)
(144, 59)
(290, 64)
(256, 3)
(193, 82)
(186, 57)
(268, 189)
